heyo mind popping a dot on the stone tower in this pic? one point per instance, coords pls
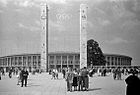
(83, 35)
(44, 37)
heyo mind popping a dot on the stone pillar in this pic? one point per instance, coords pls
(61, 63)
(27, 61)
(37, 62)
(109, 61)
(73, 61)
(67, 61)
(117, 62)
(6, 61)
(31, 63)
(114, 61)
(121, 62)
(44, 37)
(48, 62)
(13, 61)
(22, 61)
(83, 35)
(10, 61)
(54, 61)
(106, 64)
(18, 61)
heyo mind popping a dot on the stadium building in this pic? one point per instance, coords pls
(58, 60)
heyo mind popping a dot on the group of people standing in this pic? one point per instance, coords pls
(117, 73)
(78, 79)
(22, 77)
(54, 73)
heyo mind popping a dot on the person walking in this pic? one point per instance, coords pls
(114, 73)
(24, 75)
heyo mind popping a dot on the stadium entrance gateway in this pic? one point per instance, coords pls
(44, 36)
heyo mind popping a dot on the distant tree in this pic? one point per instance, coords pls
(94, 54)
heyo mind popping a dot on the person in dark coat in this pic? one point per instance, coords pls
(10, 73)
(133, 84)
(0, 74)
(63, 72)
(85, 78)
(75, 79)
(80, 81)
(24, 74)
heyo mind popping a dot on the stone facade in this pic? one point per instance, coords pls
(59, 60)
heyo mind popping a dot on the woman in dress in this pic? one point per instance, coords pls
(75, 79)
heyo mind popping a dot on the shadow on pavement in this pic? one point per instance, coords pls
(93, 89)
(31, 84)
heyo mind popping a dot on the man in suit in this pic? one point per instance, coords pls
(84, 74)
(24, 74)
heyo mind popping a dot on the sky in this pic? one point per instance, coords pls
(114, 24)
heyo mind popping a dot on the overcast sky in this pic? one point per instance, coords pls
(114, 24)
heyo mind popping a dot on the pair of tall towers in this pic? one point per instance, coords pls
(44, 36)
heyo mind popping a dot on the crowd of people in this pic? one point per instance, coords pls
(22, 77)
(78, 79)
(21, 73)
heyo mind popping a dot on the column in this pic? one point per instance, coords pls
(17, 61)
(6, 61)
(109, 61)
(2, 62)
(22, 61)
(67, 61)
(106, 64)
(37, 62)
(54, 61)
(83, 35)
(31, 63)
(61, 63)
(48, 62)
(114, 61)
(10, 61)
(73, 61)
(117, 62)
(13, 63)
(121, 62)
(26, 61)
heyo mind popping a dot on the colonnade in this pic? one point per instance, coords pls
(117, 61)
(58, 60)
(20, 61)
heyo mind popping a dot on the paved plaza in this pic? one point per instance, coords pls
(41, 84)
